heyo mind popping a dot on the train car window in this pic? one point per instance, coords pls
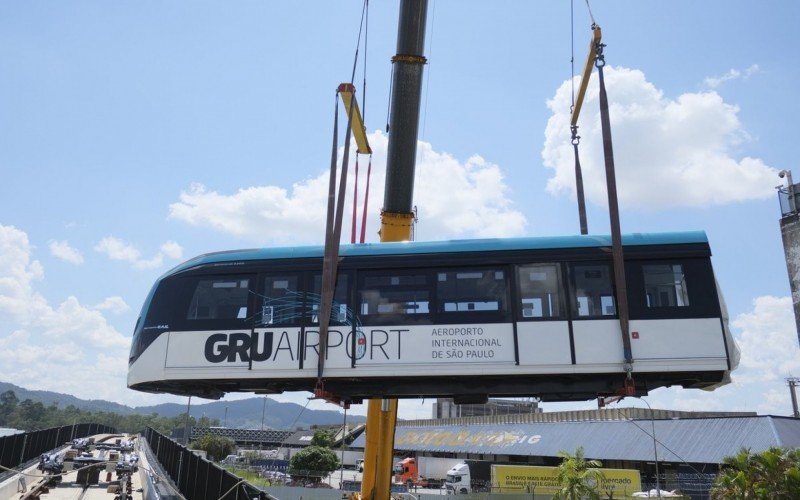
(341, 313)
(281, 301)
(665, 285)
(593, 295)
(471, 290)
(672, 289)
(219, 298)
(540, 291)
(394, 298)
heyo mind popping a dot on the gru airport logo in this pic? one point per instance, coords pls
(243, 347)
(259, 346)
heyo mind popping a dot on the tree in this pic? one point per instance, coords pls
(8, 402)
(771, 474)
(322, 438)
(217, 447)
(579, 478)
(313, 463)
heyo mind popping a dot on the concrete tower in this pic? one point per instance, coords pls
(790, 232)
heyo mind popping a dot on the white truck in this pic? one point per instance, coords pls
(469, 476)
(349, 459)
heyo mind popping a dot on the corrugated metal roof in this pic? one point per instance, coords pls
(299, 438)
(703, 440)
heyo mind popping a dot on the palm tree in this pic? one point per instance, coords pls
(579, 478)
(771, 474)
(736, 477)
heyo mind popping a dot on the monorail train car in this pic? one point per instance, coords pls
(466, 319)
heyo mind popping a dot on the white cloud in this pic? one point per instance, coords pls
(668, 153)
(113, 304)
(117, 249)
(172, 250)
(713, 82)
(455, 199)
(66, 348)
(768, 340)
(65, 252)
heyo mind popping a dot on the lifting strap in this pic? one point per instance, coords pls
(364, 208)
(333, 228)
(616, 236)
(355, 205)
(333, 233)
(366, 202)
(576, 139)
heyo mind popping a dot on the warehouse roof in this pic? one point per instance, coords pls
(299, 438)
(698, 440)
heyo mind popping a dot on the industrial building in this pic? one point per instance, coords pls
(448, 408)
(689, 446)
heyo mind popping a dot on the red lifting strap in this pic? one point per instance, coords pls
(355, 204)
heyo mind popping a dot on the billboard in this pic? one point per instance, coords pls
(544, 480)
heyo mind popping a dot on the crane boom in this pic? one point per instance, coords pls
(347, 91)
(396, 217)
(587, 72)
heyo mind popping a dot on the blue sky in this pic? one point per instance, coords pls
(139, 134)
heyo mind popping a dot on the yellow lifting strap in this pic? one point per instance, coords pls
(348, 93)
(587, 72)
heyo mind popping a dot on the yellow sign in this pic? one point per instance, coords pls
(536, 479)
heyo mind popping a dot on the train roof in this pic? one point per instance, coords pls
(446, 246)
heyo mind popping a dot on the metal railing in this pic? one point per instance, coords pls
(195, 477)
(789, 206)
(18, 449)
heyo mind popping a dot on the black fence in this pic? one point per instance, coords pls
(196, 477)
(20, 448)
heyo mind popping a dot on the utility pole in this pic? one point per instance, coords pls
(397, 217)
(263, 412)
(186, 425)
(792, 382)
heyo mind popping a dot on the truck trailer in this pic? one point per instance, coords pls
(424, 472)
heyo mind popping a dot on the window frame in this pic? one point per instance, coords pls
(309, 287)
(563, 287)
(701, 288)
(179, 321)
(572, 298)
(465, 317)
(377, 319)
(302, 285)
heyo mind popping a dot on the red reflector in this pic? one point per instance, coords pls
(635, 335)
